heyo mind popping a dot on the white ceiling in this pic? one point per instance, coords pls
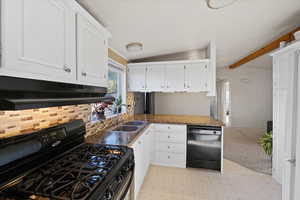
(168, 26)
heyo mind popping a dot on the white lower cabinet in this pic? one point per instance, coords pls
(169, 159)
(159, 144)
(170, 145)
(142, 153)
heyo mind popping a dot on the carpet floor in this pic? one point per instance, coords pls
(241, 146)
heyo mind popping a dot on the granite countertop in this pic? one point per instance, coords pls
(127, 138)
(115, 138)
(179, 119)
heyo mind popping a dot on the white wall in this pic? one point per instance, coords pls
(251, 92)
(182, 104)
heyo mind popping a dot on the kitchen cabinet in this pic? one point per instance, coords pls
(142, 153)
(54, 40)
(170, 145)
(137, 78)
(196, 77)
(38, 40)
(155, 77)
(175, 76)
(92, 53)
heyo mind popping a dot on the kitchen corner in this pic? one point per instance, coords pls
(165, 140)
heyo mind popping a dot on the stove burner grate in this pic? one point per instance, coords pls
(75, 175)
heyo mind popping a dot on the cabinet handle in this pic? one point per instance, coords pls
(168, 147)
(169, 157)
(83, 73)
(67, 69)
(169, 136)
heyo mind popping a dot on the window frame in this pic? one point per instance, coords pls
(118, 67)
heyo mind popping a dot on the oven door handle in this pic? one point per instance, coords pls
(124, 192)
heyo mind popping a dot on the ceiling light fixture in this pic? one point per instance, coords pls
(218, 4)
(134, 47)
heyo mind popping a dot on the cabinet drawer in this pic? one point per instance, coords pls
(170, 147)
(170, 137)
(169, 127)
(170, 159)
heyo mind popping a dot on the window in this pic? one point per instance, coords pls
(115, 82)
(117, 89)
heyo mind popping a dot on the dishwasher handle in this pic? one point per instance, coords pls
(204, 132)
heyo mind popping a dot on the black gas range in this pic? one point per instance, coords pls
(55, 163)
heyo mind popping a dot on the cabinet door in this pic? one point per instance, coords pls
(38, 40)
(174, 77)
(196, 77)
(138, 172)
(92, 53)
(137, 78)
(147, 151)
(155, 77)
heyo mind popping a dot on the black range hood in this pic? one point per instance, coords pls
(20, 94)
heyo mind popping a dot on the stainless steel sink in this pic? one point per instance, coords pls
(125, 128)
(135, 123)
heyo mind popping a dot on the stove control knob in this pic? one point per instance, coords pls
(108, 195)
(120, 178)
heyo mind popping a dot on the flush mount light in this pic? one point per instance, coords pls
(134, 47)
(218, 4)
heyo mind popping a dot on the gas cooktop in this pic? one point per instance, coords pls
(87, 171)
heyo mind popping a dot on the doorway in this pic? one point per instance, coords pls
(224, 102)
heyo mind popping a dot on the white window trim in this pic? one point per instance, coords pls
(122, 67)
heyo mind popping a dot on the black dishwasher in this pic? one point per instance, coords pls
(204, 147)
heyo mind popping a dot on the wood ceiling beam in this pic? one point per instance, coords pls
(266, 49)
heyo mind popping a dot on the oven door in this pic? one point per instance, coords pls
(126, 191)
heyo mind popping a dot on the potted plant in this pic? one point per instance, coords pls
(119, 104)
(266, 141)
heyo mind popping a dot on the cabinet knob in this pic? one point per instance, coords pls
(168, 147)
(169, 136)
(67, 69)
(169, 157)
(83, 73)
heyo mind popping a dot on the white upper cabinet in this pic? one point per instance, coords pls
(177, 76)
(38, 40)
(45, 39)
(174, 77)
(92, 53)
(196, 77)
(155, 78)
(137, 78)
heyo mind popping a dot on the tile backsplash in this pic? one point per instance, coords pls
(25, 121)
